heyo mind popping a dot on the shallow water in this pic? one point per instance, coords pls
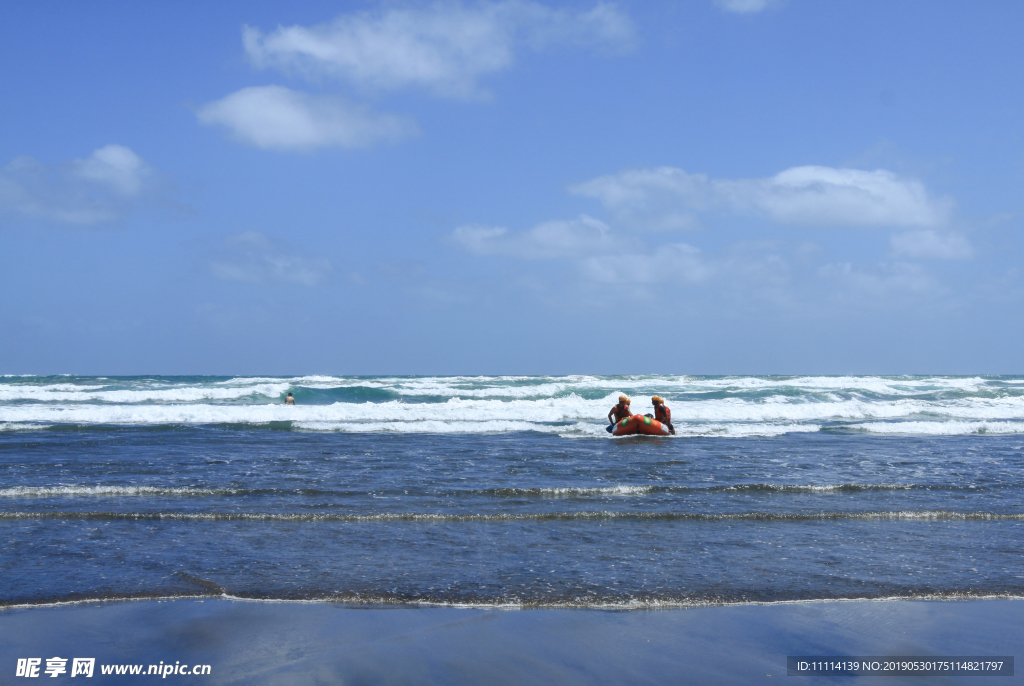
(288, 644)
(131, 497)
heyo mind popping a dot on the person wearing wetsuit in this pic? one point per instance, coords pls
(619, 412)
(663, 414)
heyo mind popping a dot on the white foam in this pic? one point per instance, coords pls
(456, 409)
(730, 416)
(882, 385)
(18, 426)
(576, 429)
(57, 387)
(539, 390)
(927, 405)
(743, 429)
(876, 384)
(52, 491)
(177, 394)
(314, 381)
(576, 491)
(786, 408)
(642, 385)
(948, 428)
(525, 386)
(818, 488)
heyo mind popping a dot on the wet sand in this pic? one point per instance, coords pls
(268, 643)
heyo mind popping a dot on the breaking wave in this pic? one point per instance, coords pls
(571, 406)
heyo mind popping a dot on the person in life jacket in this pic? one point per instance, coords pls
(619, 412)
(663, 414)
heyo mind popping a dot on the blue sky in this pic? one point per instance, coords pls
(708, 187)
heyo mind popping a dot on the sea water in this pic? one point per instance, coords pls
(498, 491)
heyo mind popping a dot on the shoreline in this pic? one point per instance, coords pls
(634, 606)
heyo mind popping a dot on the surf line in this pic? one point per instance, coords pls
(426, 517)
(360, 600)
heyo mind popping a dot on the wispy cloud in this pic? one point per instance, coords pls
(931, 245)
(253, 257)
(604, 256)
(444, 48)
(553, 239)
(811, 196)
(744, 6)
(99, 188)
(274, 117)
(674, 263)
(619, 260)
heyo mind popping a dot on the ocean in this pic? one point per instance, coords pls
(508, 491)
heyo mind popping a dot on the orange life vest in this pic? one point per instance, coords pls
(662, 413)
(621, 412)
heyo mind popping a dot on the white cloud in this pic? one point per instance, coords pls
(743, 6)
(114, 167)
(444, 47)
(278, 118)
(99, 188)
(746, 273)
(823, 196)
(809, 196)
(929, 244)
(673, 263)
(554, 239)
(252, 257)
(600, 254)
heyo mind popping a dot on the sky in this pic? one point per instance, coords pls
(512, 187)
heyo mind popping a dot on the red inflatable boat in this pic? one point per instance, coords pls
(639, 424)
